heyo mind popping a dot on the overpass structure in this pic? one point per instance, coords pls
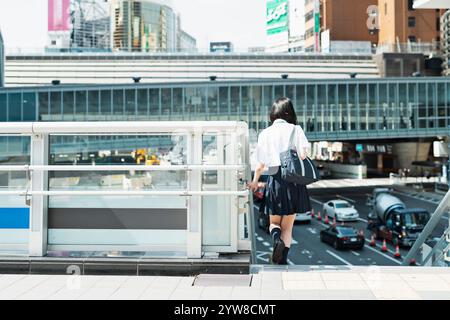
(333, 110)
(29, 69)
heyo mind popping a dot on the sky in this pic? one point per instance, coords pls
(24, 22)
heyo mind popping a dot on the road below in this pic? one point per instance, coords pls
(307, 249)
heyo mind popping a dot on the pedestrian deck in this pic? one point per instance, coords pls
(287, 283)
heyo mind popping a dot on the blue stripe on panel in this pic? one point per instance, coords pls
(14, 218)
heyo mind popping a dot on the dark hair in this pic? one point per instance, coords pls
(283, 108)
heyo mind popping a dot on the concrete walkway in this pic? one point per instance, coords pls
(298, 283)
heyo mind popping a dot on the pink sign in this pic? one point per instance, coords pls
(58, 15)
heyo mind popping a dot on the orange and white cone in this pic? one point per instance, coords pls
(397, 253)
(413, 262)
(384, 247)
(372, 242)
(319, 216)
(327, 220)
(313, 215)
(334, 221)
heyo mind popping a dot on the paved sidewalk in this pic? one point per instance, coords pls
(298, 283)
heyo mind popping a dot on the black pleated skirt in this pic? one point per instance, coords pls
(283, 198)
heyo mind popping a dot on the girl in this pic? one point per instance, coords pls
(283, 199)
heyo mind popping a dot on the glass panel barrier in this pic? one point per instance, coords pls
(76, 220)
(14, 212)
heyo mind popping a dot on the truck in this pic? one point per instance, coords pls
(391, 220)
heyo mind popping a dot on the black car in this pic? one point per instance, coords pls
(343, 237)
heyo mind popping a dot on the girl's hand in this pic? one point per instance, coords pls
(253, 186)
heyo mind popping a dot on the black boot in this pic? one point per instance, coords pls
(285, 256)
(278, 245)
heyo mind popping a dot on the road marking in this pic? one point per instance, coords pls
(339, 258)
(312, 230)
(266, 244)
(259, 255)
(385, 255)
(294, 241)
(345, 198)
(363, 220)
(291, 263)
(260, 238)
(317, 201)
(263, 259)
(355, 253)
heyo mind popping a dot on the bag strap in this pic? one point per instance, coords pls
(291, 140)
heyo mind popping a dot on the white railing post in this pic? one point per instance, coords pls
(194, 234)
(39, 203)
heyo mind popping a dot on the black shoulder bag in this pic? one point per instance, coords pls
(296, 170)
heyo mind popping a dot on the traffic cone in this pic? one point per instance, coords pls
(313, 215)
(334, 221)
(397, 253)
(372, 242)
(342, 223)
(327, 220)
(412, 262)
(384, 247)
(319, 217)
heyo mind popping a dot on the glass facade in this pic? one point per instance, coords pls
(326, 109)
(2, 61)
(144, 25)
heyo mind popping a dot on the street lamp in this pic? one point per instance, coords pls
(213, 78)
(137, 79)
(284, 76)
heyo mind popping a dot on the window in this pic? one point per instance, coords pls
(411, 22)
(412, 39)
(411, 5)
(438, 24)
(385, 8)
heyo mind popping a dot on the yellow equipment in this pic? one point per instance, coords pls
(142, 157)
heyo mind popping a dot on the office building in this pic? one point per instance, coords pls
(339, 20)
(141, 25)
(285, 26)
(400, 23)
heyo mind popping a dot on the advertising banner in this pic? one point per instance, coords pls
(59, 15)
(277, 17)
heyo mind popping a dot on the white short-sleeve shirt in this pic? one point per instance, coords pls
(275, 140)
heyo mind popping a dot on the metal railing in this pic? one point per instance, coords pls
(236, 142)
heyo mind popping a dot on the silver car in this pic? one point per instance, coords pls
(341, 209)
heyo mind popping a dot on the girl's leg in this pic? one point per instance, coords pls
(287, 224)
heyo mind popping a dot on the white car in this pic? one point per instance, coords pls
(341, 209)
(303, 217)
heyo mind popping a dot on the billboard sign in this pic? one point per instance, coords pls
(277, 14)
(221, 47)
(59, 15)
